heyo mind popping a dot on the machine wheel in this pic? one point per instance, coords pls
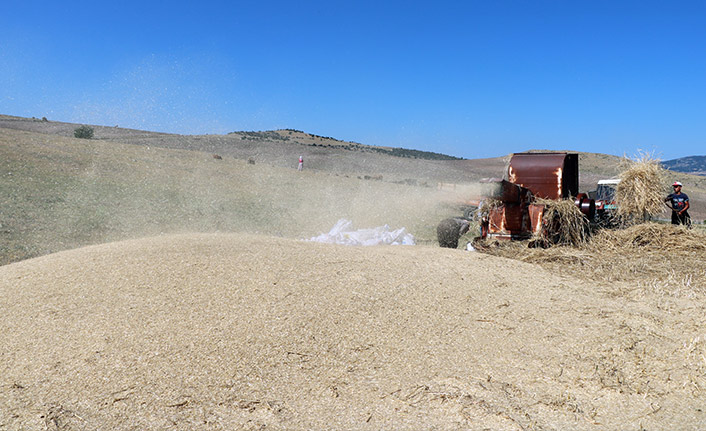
(450, 230)
(470, 212)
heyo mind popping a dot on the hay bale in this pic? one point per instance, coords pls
(640, 193)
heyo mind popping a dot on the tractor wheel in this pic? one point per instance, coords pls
(450, 230)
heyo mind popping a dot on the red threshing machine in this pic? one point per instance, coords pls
(513, 212)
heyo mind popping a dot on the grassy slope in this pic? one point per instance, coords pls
(60, 193)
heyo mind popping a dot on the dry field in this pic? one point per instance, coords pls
(173, 290)
(233, 331)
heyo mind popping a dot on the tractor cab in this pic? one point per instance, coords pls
(605, 195)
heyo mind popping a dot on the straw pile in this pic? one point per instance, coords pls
(650, 252)
(654, 237)
(563, 223)
(640, 193)
(649, 255)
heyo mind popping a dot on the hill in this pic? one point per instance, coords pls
(695, 165)
(279, 147)
(59, 192)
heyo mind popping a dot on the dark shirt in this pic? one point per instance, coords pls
(678, 200)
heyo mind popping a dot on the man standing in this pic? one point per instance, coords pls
(301, 163)
(679, 204)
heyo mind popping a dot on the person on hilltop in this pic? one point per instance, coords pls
(301, 163)
(679, 203)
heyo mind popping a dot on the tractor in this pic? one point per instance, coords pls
(606, 205)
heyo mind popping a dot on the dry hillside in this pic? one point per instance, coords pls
(60, 192)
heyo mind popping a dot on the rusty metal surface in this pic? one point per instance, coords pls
(547, 175)
(536, 213)
(506, 218)
(511, 220)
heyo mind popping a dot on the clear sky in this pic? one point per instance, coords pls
(466, 78)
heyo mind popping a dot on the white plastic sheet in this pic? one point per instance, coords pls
(342, 233)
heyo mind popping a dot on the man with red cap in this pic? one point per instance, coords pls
(679, 204)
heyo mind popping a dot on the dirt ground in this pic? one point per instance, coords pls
(236, 331)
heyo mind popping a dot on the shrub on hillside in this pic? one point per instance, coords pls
(83, 132)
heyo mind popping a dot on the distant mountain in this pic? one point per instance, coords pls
(695, 165)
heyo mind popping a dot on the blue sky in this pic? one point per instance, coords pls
(467, 78)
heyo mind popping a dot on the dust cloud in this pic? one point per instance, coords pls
(115, 192)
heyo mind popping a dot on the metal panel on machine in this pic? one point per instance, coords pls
(549, 176)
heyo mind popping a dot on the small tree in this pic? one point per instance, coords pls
(83, 132)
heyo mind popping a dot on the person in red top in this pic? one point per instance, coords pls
(679, 204)
(301, 163)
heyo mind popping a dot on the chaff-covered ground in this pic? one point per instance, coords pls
(238, 332)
